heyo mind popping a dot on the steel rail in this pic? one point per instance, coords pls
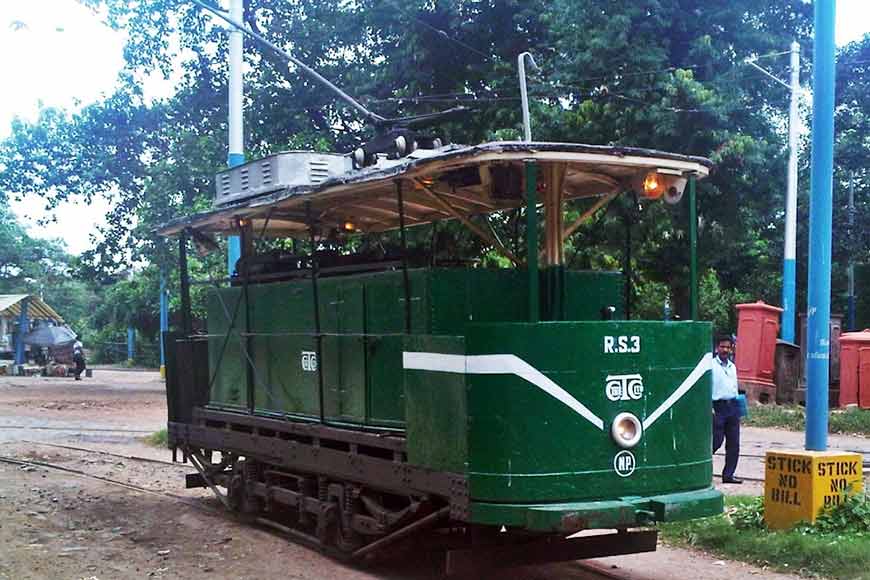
(42, 428)
(101, 452)
(118, 483)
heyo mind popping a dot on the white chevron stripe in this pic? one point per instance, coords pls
(702, 367)
(497, 364)
(508, 364)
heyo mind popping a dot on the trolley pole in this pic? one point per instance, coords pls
(788, 264)
(851, 323)
(821, 205)
(524, 95)
(236, 154)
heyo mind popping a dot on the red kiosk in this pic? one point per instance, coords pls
(855, 369)
(757, 330)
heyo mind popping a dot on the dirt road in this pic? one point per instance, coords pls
(60, 524)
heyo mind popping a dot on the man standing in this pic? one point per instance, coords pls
(726, 410)
(79, 358)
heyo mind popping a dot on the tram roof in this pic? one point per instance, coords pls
(432, 178)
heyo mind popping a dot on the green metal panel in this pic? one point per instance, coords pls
(385, 302)
(612, 513)
(343, 357)
(435, 403)
(526, 446)
(226, 371)
(458, 297)
(361, 374)
(385, 324)
(862, 292)
(588, 291)
(282, 318)
(386, 396)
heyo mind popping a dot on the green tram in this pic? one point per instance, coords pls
(352, 402)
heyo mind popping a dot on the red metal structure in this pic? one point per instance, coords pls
(855, 369)
(757, 329)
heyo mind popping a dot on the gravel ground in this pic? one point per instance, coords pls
(59, 525)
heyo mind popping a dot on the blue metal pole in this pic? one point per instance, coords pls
(164, 321)
(23, 327)
(236, 154)
(821, 205)
(131, 343)
(789, 310)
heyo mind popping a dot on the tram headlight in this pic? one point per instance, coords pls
(661, 183)
(626, 430)
(653, 185)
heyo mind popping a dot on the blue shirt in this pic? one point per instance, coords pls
(724, 379)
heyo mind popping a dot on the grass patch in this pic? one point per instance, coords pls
(792, 418)
(851, 421)
(839, 547)
(157, 439)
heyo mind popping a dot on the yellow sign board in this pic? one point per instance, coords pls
(799, 484)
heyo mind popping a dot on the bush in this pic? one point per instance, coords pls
(850, 517)
(748, 515)
(158, 438)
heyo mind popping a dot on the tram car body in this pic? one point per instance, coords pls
(354, 406)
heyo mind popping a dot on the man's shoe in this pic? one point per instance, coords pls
(732, 479)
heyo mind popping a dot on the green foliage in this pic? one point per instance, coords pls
(850, 517)
(747, 515)
(42, 267)
(717, 304)
(853, 421)
(647, 73)
(792, 418)
(830, 555)
(158, 438)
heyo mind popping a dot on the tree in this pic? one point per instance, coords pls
(42, 267)
(665, 74)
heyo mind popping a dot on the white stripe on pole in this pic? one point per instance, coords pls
(791, 196)
(236, 145)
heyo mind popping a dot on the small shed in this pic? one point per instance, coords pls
(28, 309)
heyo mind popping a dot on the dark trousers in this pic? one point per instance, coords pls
(80, 366)
(726, 426)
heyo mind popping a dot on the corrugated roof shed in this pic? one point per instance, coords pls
(10, 307)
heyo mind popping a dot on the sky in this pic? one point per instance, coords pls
(58, 53)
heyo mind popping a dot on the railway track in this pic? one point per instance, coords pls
(108, 453)
(116, 482)
(576, 570)
(88, 429)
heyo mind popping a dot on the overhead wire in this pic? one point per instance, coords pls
(443, 34)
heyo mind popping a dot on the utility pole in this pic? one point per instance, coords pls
(788, 264)
(821, 207)
(236, 154)
(164, 322)
(850, 323)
